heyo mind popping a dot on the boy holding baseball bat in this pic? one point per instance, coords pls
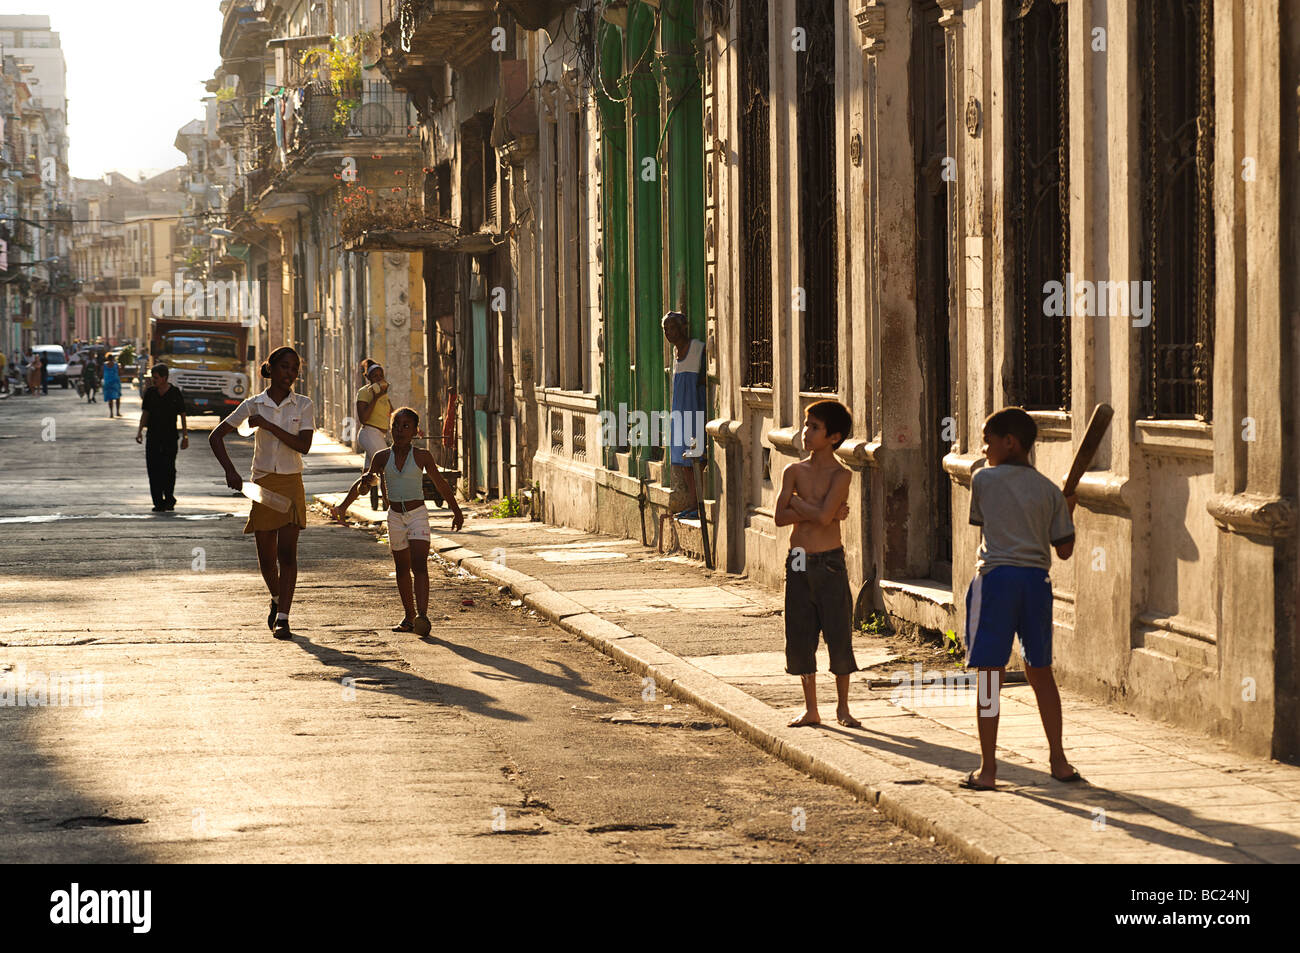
(1024, 516)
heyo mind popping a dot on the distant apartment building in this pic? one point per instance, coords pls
(36, 285)
(124, 241)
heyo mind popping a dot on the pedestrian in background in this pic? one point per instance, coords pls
(33, 370)
(163, 402)
(285, 422)
(90, 377)
(374, 409)
(112, 387)
(686, 433)
(4, 373)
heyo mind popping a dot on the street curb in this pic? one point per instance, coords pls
(920, 806)
(915, 804)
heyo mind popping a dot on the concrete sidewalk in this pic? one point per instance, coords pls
(1154, 794)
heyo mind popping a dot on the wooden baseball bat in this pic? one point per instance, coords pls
(1098, 423)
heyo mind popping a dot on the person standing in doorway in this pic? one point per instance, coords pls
(374, 410)
(163, 403)
(112, 387)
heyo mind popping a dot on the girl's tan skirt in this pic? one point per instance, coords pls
(262, 517)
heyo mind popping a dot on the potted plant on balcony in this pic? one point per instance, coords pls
(342, 64)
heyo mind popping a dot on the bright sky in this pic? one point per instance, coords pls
(135, 76)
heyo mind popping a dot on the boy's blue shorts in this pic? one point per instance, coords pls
(1002, 602)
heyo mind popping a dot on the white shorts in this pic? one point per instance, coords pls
(404, 527)
(372, 440)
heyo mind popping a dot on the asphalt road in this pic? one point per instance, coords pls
(149, 715)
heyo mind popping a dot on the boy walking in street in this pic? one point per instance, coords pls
(163, 403)
(814, 497)
(1023, 516)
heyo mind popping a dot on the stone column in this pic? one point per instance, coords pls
(900, 389)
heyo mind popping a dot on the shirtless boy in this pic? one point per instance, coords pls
(814, 497)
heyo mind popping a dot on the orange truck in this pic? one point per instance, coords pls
(207, 360)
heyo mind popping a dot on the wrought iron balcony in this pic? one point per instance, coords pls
(245, 30)
(233, 115)
(325, 127)
(419, 36)
(372, 110)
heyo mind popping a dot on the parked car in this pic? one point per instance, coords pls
(56, 362)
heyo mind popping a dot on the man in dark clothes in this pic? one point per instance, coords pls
(163, 403)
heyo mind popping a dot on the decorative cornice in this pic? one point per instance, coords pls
(871, 21)
(1254, 514)
(951, 18)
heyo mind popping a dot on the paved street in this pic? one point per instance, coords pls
(184, 732)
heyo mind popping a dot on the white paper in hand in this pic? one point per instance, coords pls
(266, 497)
(245, 430)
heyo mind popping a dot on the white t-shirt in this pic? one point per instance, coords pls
(1023, 514)
(270, 454)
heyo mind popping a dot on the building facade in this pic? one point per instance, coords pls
(927, 210)
(125, 239)
(36, 282)
(321, 141)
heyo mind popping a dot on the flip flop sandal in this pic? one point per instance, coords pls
(403, 626)
(1071, 779)
(970, 784)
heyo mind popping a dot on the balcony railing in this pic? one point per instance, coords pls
(374, 111)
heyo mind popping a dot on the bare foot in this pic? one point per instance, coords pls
(1064, 771)
(847, 720)
(807, 718)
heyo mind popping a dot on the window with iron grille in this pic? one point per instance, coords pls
(755, 198)
(1175, 56)
(579, 437)
(557, 432)
(817, 207)
(1038, 211)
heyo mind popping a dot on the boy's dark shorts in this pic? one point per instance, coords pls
(817, 599)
